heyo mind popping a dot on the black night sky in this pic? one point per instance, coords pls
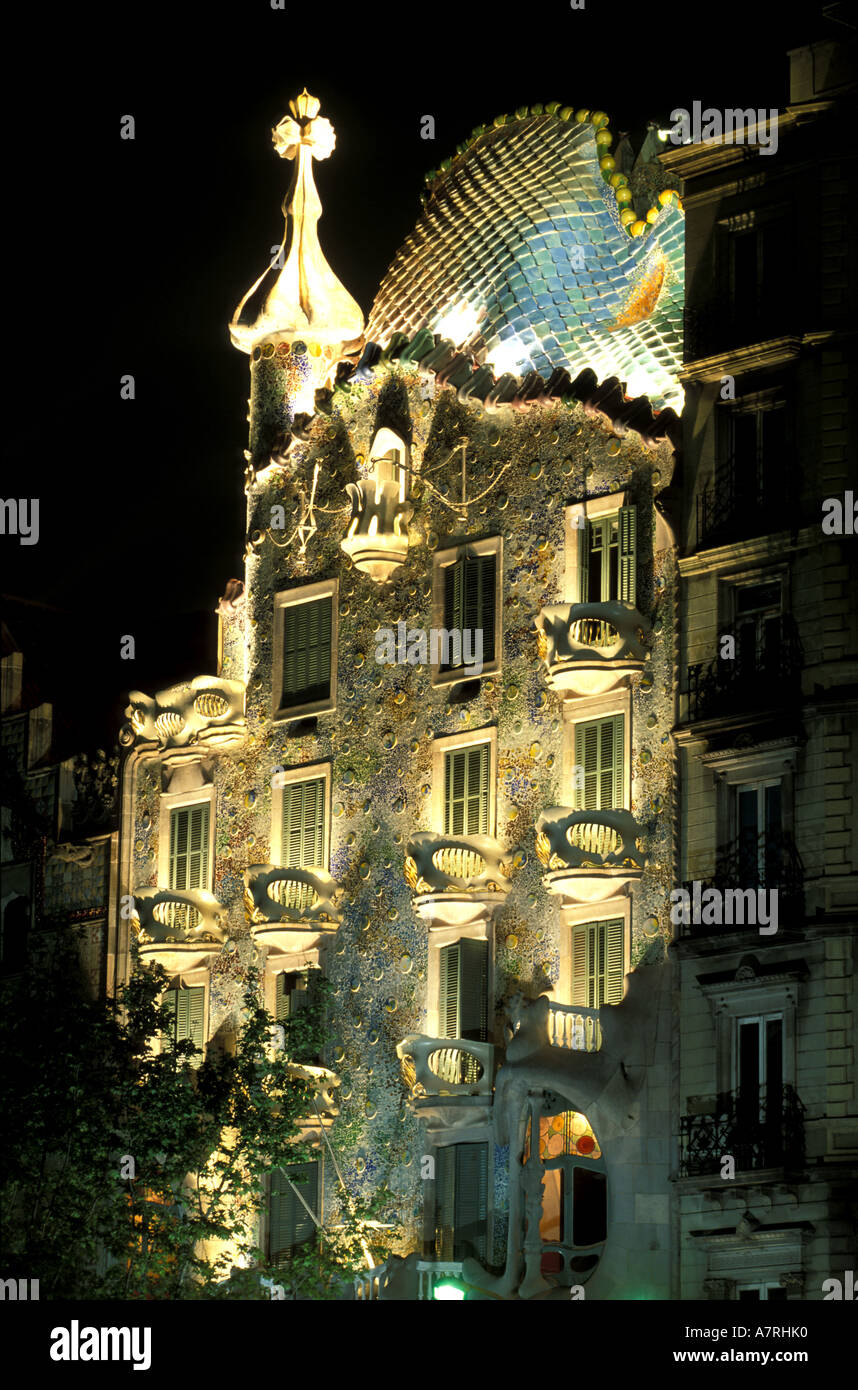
(130, 257)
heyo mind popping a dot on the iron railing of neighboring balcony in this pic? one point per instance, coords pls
(769, 861)
(745, 683)
(758, 1129)
(736, 506)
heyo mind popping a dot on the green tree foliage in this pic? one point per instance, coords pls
(82, 1089)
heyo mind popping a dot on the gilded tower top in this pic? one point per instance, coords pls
(299, 297)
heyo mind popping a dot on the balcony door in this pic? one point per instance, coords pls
(461, 1203)
(760, 842)
(600, 753)
(607, 558)
(759, 1072)
(758, 628)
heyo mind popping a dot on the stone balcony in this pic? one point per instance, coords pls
(179, 930)
(448, 1079)
(377, 538)
(456, 879)
(589, 855)
(574, 1026)
(589, 648)
(290, 909)
(206, 711)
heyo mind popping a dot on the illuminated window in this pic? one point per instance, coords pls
(598, 963)
(466, 790)
(600, 753)
(189, 846)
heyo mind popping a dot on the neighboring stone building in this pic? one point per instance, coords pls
(768, 719)
(58, 839)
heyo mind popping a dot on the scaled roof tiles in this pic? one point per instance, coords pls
(522, 236)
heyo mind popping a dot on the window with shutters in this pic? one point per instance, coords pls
(603, 555)
(598, 963)
(190, 846)
(461, 1201)
(305, 650)
(303, 823)
(292, 1191)
(466, 609)
(463, 1004)
(187, 1014)
(600, 754)
(466, 790)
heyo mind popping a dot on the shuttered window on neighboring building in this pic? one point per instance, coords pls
(463, 1005)
(470, 601)
(189, 847)
(607, 558)
(461, 1201)
(466, 791)
(598, 963)
(307, 651)
(187, 1008)
(302, 825)
(600, 751)
(289, 1223)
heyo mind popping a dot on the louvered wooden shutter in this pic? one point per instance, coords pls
(583, 533)
(614, 973)
(453, 594)
(170, 1001)
(289, 1223)
(466, 791)
(302, 840)
(282, 1006)
(445, 1202)
(307, 650)
(486, 621)
(580, 991)
(628, 553)
(448, 1007)
(599, 751)
(189, 847)
(187, 1008)
(473, 989)
(471, 1200)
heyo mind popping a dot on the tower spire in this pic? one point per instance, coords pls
(301, 298)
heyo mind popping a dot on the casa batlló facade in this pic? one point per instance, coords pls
(475, 844)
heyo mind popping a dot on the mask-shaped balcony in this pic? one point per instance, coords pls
(290, 909)
(447, 1078)
(377, 539)
(206, 710)
(179, 929)
(589, 648)
(589, 855)
(455, 879)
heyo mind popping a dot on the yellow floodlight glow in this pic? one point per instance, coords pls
(458, 324)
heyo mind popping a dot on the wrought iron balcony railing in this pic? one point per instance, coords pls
(759, 1126)
(748, 682)
(768, 862)
(739, 505)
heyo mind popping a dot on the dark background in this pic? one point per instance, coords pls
(130, 256)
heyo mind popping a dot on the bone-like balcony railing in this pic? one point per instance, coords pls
(377, 538)
(206, 710)
(574, 1026)
(274, 894)
(167, 915)
(589, 644)
(446, 1066)
(437, 863)
(589, 839)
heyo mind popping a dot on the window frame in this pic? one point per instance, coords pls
(304, 772)
(291, 598)
(452, 743)
(179, 801)
(603, 508)
(441, 561)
